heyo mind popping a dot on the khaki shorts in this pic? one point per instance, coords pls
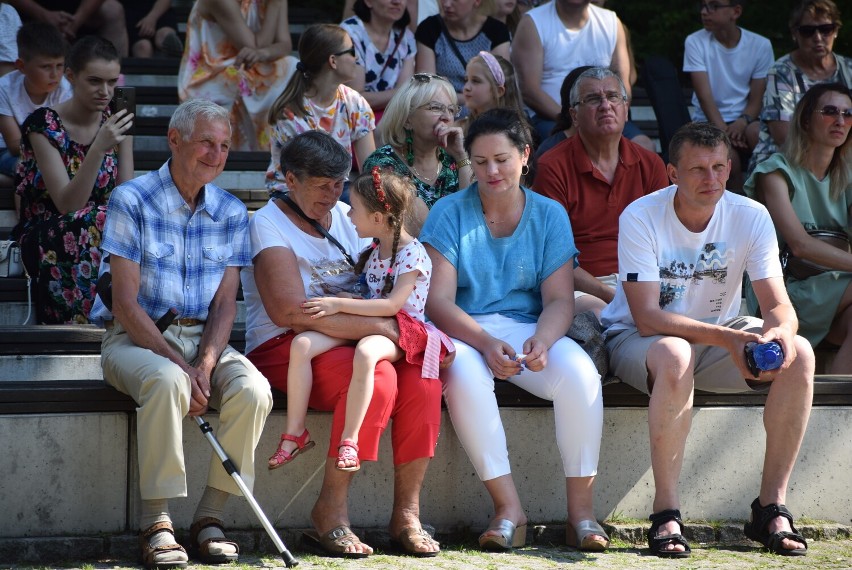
(611, 280)
(715, 370)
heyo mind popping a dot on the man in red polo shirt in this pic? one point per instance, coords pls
(595, 175)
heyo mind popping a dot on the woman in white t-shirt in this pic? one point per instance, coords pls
(315, 99)
(292, 261)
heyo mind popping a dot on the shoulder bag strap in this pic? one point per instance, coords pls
(315, 224)
(452, 43)
(397, 41)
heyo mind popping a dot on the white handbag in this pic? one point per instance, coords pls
(10, 259)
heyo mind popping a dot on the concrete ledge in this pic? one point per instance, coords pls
(77, 474)
(63, 474)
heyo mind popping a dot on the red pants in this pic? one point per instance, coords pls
(400, 393)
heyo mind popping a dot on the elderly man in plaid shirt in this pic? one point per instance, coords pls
(177, 241)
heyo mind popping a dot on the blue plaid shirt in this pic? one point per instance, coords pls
(182, 254)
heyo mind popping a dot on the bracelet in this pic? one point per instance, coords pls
(462, 163)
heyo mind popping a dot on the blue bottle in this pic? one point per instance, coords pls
(766, 356)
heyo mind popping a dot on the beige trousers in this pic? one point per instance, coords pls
(161, 390)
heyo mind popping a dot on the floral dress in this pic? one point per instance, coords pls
(349, 118)
(207, 72)
(62, 250)
(446, 183)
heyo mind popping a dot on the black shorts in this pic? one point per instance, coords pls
(135, 11)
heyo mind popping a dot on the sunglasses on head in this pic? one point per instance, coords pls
(425, 77)
(808, 31)
(832, 111)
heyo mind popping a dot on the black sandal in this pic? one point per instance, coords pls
(657, 543)
(757, 529)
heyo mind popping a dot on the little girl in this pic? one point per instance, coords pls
(489, 82)
(397, 277)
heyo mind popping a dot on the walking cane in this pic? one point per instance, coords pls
(104, 289)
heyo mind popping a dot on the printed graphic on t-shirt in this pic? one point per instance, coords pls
(330, 277)
(703, 278)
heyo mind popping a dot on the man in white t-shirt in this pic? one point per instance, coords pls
(554, 39)
(728, 66)
(673, 327)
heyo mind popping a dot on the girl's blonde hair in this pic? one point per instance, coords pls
(511, 98)
(390, 194)
(317, 44)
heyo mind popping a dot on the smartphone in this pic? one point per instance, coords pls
(125, 98)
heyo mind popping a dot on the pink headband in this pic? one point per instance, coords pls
(493, 67)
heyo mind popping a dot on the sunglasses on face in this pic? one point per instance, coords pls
(832, 112)
(824, 30)
(350, 51)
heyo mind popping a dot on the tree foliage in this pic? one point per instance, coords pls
(661, 26)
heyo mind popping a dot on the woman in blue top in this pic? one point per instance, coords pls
(503, 288)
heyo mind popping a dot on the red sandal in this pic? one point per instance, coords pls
(349, 453)
(282, 457)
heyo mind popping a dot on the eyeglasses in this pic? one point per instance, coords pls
(612, 97)
(712, 6)
(832, 112)
(350, 51)
(824, 30)
(440, 108)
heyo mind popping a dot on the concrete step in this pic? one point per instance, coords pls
(15, 313)
(50, 367)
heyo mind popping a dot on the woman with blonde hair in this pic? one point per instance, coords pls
(316, 99)
(806, 188)
(423, 144)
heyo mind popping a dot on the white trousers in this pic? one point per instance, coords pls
(570, 381)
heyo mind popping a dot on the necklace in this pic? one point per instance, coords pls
(510, 217)
(426, 178)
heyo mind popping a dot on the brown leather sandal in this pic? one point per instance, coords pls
(333, 543)
(202, 551)
(149, 554)
(411, 539)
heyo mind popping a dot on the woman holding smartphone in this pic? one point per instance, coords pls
(72, 156)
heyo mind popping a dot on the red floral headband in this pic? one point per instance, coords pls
(380, 193)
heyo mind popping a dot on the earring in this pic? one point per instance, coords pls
(409, 147)
(525, 169)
